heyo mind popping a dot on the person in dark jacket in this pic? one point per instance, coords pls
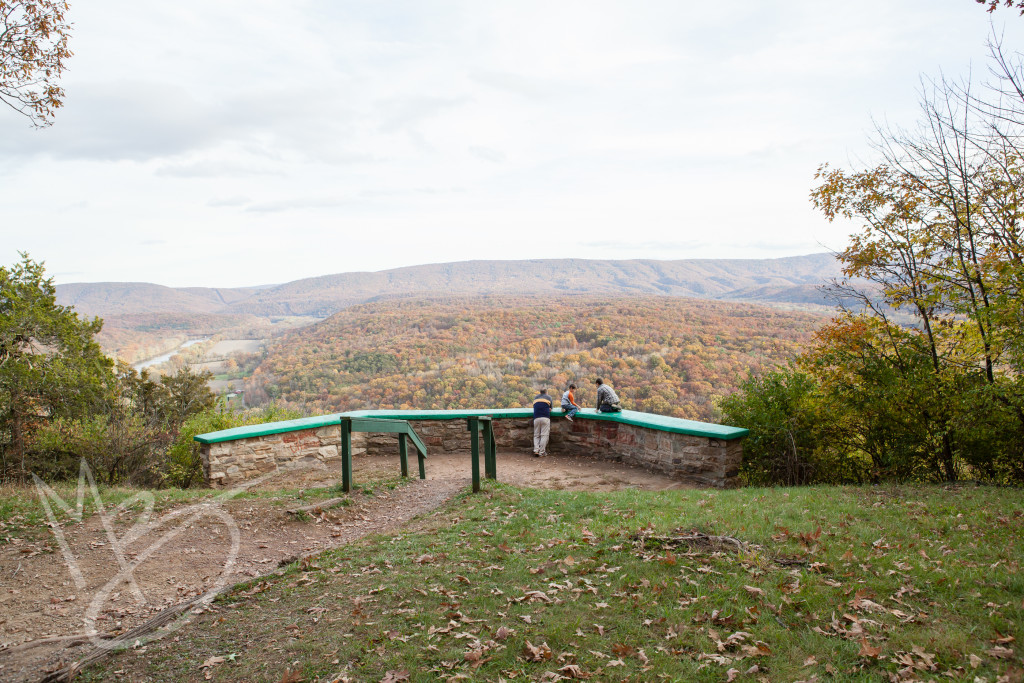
(541, 423)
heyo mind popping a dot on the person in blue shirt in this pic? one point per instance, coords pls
(541, 423)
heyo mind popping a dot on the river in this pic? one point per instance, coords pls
(163, 358)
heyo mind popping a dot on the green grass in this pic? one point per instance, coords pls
(514, 584)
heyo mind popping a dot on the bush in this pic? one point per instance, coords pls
(183, 466)
(118, 448)
(794, 437)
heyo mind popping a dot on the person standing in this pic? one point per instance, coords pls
(607, 399)
(541, 423)
(569, 405)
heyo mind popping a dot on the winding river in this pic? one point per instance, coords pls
(163, 358)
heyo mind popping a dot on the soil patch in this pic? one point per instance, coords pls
(46, 599)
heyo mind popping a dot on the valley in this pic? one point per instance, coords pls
(674, 335)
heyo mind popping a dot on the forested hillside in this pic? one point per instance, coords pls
(142, 320)
(663, 355)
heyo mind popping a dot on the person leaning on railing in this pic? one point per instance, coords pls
(541, 423)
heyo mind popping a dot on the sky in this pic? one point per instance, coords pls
(249, 142)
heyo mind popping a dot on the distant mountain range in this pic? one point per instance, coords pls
(789, 280)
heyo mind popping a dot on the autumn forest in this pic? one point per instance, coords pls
(663, 355)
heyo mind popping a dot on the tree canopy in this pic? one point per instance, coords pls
(33, 51)
(50, 365)
(993, 4)
(923, 371)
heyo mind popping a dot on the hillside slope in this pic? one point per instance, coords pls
(665, 355)
(127, 298)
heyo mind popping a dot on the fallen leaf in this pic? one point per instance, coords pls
(212, 661)
(811, 661)
(395, 676)
(866, 650)
(502, 633)
(537, 653)
(754, 590)
(731, 675)
(623, 650)
(572, 671)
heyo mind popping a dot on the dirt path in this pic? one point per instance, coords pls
(185, 551)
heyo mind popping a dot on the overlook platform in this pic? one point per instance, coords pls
(696, 452)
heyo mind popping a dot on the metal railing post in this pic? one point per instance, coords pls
(473, 424)
(490, 461)
(403, 455)
(346, 454)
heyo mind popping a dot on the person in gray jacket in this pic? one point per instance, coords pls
(607, 399)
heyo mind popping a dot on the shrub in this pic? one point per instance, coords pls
(183, 466)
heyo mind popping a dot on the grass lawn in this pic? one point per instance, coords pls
(855, 583)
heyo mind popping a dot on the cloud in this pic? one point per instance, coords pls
(401, 113)
(297, 204)
(518, 84)
(648, 245)
(216, 169)
(373, 194)
(488, 154)
(228, 201)
(130, 120)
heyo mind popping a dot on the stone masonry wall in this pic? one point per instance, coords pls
(231, 462)
(697, 459)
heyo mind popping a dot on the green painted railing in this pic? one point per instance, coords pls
(386, 426)
(663, 423)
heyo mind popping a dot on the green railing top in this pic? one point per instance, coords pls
(662, 423)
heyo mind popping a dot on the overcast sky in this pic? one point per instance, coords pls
(234, 143)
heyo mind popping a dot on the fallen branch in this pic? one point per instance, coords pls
(107, 648)
(696, 539)
(73, 639)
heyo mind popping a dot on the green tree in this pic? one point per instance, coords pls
(185, 393)
(928, 352)
(795, 437)
(50, 365)
(33, 51)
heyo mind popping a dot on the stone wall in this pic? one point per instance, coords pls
(228, 463)
(697, 459)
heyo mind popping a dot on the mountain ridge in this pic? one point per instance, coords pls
(789, 280)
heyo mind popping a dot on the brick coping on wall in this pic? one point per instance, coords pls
(661, 423)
